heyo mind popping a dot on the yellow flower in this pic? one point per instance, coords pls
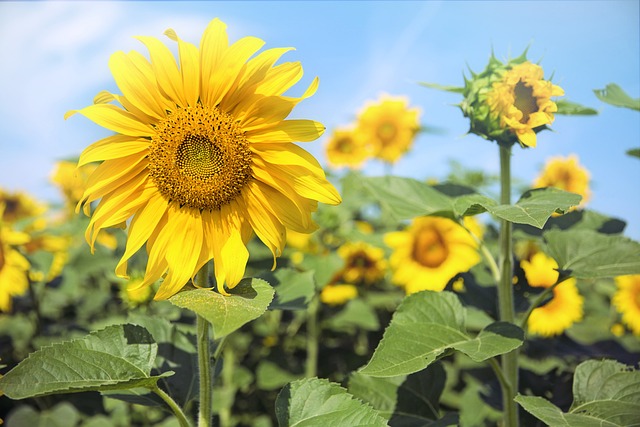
(71, 181)
(13, 266)
(430, 253)
(522, 101)
(390, 126)
(566, 174)
(363, 263)
(627, 301)
(540, 270)
(338, 294)
(563, 310)
(135, 294)
(346, 147)
(203, 158)
(19, 205)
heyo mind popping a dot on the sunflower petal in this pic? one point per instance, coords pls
(116, 119)
(112, 150)
(288, 131)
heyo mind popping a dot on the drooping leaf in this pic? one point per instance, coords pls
(569, 108)
(426, 325)
(588, 254)
(536, 206)
(248, 301)
(318, 402)
(453, 89)
(117, 357)
(293, 289)
(614, 95)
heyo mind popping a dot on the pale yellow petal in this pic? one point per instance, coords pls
(116, 119)
(288, 131)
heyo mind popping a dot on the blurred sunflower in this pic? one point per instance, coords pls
(429, 253)
(71, 181)
(42, 240)
(626, 300)
(19, 206)
(203, 158)
(389, 126)
(134, 294)
(364, 263)
(566, 174)
(346, 147)
(13, 266)
(563, 309)
(522, 101)
(338, 294)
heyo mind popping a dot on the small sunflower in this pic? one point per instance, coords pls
(364, 263)
(338, 294)
(14, 267)
(19, 206)
(346, 147)
(563, 309)
(522, 101)
(203, 157)
(430, 253)
(567, 174)
(389, 126)
(71, 180)
(627, 301)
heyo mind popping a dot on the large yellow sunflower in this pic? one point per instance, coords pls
(627, 301)
(389, 126)
(430, 253)
(203, 157)
(522, 100)
(566, 174)
(563, 309)
(13, 266)
(346, 147)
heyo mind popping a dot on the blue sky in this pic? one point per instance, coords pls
(55, 56)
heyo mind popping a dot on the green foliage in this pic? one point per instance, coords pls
(293, 290)
(614, 95)
(425, 326)
(314, 402)
(117, 357)
(588, 254)
(535, 207)
(569, 108)
(634, 152)
(605, 393)
(248, 301)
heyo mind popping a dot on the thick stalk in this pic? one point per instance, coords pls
(182, 419)
(311, 369)
(505, 294)
(204, 358)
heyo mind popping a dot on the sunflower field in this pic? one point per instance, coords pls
(203, 268)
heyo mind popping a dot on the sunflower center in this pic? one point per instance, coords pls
(199, 158)
(1, 256)
(524, 100)
(387, 131)
(345, 145)
(361, 260)
(429, 248)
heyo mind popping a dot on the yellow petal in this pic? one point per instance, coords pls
(288, 131)
(213, 45)
(527, 137)
(235, 256)
(280, 78)
(189, 68)
(112, 150)
(116, 119)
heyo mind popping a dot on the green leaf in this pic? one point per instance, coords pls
(634, 152)
(270, 376)
(569, 108)
(454, 89)
(588, 254)
(356, 314)
(426, 325)
(293, 289)
(248, 301)
(117, 357)
(317, 402)
(536, 206)
(64, 414)
(606, 393)
(614, 95)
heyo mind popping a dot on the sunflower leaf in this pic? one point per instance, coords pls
(454, 89)
(115, 358)
(248, 301)
(428, 324)
(606, 393)
(569, 108)
(588, 254)
(313, 402)
(634, 152)
(614, 95)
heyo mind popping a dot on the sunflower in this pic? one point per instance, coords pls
(626, 300)
(522, 101)
(430, 253)
(346, 147)
(389, 126)
(71, 181)
(563, 309)
(364, 263)
(13, 266)
(203, 157)
(19, 206)
(338, 294)
(566, 174)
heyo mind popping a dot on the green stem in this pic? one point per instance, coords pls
(204, 358)
(505, 294)
(311, 369)
(488, 257)
(182, 419)
(228, 367)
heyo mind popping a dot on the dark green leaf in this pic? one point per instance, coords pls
(248, 301)
(318, 402)
(634, 152)
(535, 207)
(293, 289)
(572, 109)
(588, 254)
(614, 95)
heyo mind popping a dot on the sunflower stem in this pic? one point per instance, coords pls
(182, 418)
(505, 294)
(204, 358)
(311, 368)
